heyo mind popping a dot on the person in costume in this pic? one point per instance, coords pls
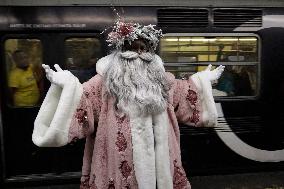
(134, 106)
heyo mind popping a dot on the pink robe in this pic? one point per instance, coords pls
(86, 110)
(108, 153)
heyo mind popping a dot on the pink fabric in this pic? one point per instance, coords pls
(108, 159)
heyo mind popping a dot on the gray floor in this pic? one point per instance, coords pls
(265, 180)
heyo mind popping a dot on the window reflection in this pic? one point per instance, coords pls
(81, 57)
(25, 75)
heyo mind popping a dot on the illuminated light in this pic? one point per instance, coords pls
(188, 39)
(248, 39)
(172, 39)
(209, 40)
(197, 40)
(240, 39)
(231, 39)
(185, 39)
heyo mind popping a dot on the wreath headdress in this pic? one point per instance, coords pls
(128, 31)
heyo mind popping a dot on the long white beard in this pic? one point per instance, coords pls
(138, 83)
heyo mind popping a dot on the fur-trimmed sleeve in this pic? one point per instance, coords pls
(193, 101)
(67, 113)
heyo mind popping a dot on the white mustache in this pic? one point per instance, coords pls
(148, 57)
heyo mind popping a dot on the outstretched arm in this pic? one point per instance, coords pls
(66, 113)
(193, 100)
(203, 81)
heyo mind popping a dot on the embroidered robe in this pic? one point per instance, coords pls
(87, 111)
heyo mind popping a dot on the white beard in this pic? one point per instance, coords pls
(138, 83)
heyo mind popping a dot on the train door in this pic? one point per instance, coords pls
(23, 88)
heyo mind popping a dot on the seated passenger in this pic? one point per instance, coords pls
(226, 82)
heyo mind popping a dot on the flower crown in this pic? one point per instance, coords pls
(123, 31)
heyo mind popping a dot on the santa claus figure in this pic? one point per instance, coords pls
(128, 113)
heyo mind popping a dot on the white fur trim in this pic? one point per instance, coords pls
(163, 171)
(209, 111)
(151, 151)
(104, 63)
(159, 61)
(52, 123)
(143, 151)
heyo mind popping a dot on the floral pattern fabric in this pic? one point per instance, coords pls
(108, 158)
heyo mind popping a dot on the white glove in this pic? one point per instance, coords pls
(59, 77)
(214, 74)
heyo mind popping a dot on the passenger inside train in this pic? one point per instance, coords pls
(25, 81)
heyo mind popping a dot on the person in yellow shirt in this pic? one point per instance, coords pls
(24, 87)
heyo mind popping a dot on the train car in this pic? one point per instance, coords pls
(249, 41)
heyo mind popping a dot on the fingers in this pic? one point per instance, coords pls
(57, 67)
(208, 67)
(45, 66)
(51, 75)
(221, 68)
(48, 71)
(216, 73)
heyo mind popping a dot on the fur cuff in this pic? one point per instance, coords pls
(52, 123)
(203, 84)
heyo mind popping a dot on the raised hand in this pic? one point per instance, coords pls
(59, 77)
(214, 74)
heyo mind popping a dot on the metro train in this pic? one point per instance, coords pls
(249, 96)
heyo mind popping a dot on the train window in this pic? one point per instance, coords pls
(24, 73)
(235, 81)
(185, 55)
(81, 56)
